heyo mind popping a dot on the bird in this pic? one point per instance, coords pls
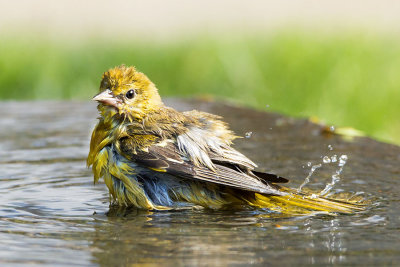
(154, 157)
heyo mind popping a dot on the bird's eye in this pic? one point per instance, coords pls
(130, 94)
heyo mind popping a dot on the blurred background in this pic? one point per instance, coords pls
(336, 60)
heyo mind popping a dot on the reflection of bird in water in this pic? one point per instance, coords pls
(154, 157)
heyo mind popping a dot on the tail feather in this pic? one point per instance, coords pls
(303, 203)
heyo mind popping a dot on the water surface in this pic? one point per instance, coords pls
(52, 214)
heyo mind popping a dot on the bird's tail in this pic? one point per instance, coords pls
(300, 203)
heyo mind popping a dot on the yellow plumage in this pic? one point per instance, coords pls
(154, 157)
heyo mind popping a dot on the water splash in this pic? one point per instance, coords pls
(248, 134)
(307, 179)
(326, 160)
(342, 160)
(330, 147)
(335, 176)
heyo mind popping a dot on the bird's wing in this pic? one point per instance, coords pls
(235, 158)
(166, 158)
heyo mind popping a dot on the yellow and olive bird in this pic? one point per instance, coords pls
(155, 158)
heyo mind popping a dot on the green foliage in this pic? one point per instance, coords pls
(346, 80)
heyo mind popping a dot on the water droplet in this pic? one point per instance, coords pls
(334, 158)
(267, 106)
(309, 164)
(315, 167)
(342, 160)
(330, 147)
(326, 160)
(307, 179)
(332, 128)
(248, 134)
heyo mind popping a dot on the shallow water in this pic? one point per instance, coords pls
(52, 214)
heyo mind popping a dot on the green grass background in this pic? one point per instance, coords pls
(344, 79)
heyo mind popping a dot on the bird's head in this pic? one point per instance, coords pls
(127, 92)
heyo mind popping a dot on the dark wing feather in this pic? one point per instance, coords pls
(167, 158)
(273, 178)
(245, 166)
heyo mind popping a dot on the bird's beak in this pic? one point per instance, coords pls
(106, 97)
